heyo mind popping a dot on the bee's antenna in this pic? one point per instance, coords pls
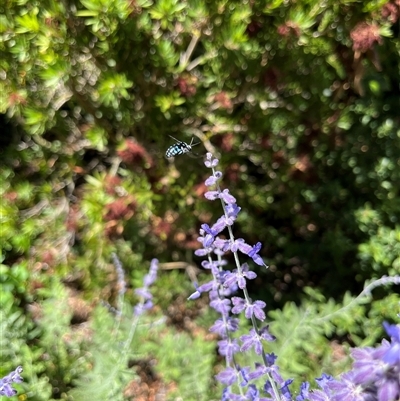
(194, 144)
(174, 139)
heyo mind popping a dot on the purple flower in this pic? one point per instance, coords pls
(254, 340)
(366, 366)
(206, 287)
(239, 305)
(228, 221)
(377, 370)
(6, 381)
(267, 336)
(232, 210)
(240, 277)
(253, 394)
(144, 292)
(227, 197)
(222, 306)
(389, 389)
(222, 244)
(211, 161)
(304, 392)
(140, 308)
(261, 370)
(244, 372)
(239, 244)
(251, 340)
(255, 308)
(318, 395)
(324, 380)
(227, 376)
(392, 355)
(212, 180)
(227, 395)
(224, 195)
(254, 254)
(268, 388)
(195, 295)
(221, 327)
(208, 239)
(249, 250)
(228, 348)
(202, 252)
(274, 370)
(220, 224)
(211, 195)
(150, 278)
(345, 389)
(393, 331)
(285, 389)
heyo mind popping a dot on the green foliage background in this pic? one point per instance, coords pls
(300, 99)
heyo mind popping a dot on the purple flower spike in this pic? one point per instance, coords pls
(6, 381)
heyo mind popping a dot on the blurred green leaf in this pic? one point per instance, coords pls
(27, 23)
(97, 137)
